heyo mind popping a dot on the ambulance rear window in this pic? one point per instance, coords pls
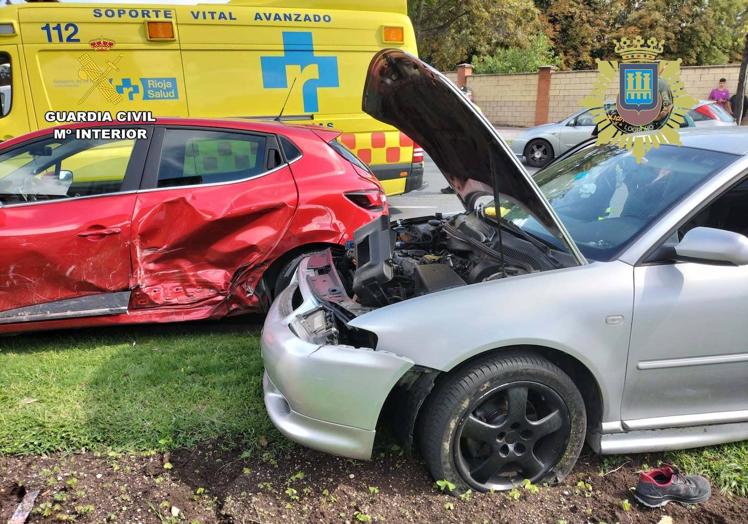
(5, 84)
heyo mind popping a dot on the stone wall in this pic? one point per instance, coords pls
(699, 81)
(507, 100)
(510, 100)
(567, 91)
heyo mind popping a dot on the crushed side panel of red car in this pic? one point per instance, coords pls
(201, 252)
(190, 244)
(57, 251)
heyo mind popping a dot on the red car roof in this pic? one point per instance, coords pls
(225, 123)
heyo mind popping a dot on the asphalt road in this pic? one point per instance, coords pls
(429, 199)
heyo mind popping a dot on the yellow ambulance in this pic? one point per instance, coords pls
(247, 58)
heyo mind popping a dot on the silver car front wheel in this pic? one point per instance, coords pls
(538, 153)
(502, 420)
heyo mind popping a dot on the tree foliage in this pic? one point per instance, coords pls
(579, 30)
(518, 59)
(451, 31)
(698, 31)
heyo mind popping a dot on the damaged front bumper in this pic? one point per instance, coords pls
(325, 396)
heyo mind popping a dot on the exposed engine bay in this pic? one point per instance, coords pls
(391, 262)
(413, 257)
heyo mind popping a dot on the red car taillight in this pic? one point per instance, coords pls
(707, 112)
(417, 154)
(368, 199)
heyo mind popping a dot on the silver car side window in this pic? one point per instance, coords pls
(727, 211)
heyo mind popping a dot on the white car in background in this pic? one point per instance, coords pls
(539, 145)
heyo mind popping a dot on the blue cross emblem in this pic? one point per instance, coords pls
(298, 49)
(126, 86)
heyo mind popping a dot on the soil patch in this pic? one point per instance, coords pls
(213, 483)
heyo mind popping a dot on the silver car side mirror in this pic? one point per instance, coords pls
(65, 176)
(713, 246)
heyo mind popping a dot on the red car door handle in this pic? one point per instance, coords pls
(100, 232)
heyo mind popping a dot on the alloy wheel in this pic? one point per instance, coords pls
(513, 432)
(539, 152)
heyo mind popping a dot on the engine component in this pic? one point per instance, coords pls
(373, 251)
(423, 255)
(435, 277)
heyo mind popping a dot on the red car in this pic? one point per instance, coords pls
(198, 219)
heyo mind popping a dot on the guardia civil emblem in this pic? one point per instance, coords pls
(651, 103)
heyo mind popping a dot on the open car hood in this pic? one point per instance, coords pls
(403, 91)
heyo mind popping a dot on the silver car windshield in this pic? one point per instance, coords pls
(605, 199)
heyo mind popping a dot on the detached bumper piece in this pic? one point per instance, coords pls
(324, 396)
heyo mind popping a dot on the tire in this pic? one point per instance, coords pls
(475, 433)
(538, 153)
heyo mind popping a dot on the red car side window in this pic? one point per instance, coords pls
(52, 169)
(192, 157)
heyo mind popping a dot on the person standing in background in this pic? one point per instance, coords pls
(721, 95)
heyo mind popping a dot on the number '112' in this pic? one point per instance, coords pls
(63, 34)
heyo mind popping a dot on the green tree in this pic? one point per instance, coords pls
(732, 16)
(698, 31)
(580, 29)
(528, 59)
(451, 31)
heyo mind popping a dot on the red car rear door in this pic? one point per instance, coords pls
(65, 227)
(213, 204)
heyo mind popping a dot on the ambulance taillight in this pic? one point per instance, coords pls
(417, 154)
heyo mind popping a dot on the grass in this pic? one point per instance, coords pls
(149, 388)
(131, 389)
(726, 466)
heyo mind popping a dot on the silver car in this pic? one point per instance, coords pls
(605, 301)
(539, 145)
